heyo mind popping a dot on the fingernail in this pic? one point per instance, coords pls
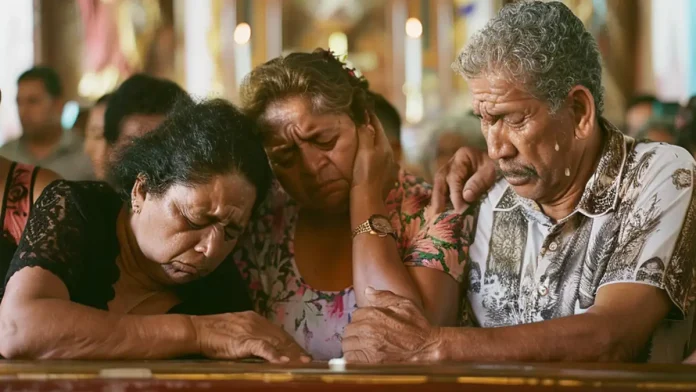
(284, 359)
(369, 290)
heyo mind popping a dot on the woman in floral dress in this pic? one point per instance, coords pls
(342, 216)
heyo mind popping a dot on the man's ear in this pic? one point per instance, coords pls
(584, 111)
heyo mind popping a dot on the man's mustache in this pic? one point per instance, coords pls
(515, 170)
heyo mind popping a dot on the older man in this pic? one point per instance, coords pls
(585, 248)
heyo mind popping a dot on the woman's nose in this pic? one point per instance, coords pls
(211, 242)
(312, 159)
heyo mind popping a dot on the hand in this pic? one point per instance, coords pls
(374, 158)
(465, 178)
(691, 360)
(393, 329)
(245, 334)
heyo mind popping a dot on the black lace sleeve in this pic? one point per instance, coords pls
(55, 237)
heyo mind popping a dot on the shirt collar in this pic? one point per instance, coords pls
(601, 193)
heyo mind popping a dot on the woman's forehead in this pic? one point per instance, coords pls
(295, 116)
(219, 197)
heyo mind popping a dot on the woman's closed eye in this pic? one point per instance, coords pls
(326, 143)
(232, 232)
(194, 225)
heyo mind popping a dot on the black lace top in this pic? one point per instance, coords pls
(72, 233)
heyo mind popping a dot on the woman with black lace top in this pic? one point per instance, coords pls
(95, 277)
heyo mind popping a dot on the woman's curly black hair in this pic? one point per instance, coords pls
(197, 141)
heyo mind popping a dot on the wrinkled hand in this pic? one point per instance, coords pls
(393, 329)
(374, 157)
(464, 180)
(245, 334)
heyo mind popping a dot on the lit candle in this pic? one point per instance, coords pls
(242, 51)
(413, 56)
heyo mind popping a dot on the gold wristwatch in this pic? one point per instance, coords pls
(378, 225)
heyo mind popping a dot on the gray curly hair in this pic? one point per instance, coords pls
(541, 45)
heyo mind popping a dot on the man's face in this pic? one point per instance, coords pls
(38, 110)
(530, 145)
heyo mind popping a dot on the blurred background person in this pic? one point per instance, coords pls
(659, 129)
(638, 112)
(686, 114)
(449, 136)
(22, 185)
(95, 144)
(138, 106)
(44, 142)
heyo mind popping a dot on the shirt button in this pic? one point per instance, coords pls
(543, 290)
(553, 246)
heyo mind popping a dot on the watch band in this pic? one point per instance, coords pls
(362, 228)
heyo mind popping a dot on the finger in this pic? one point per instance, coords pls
(440, 190)
(455, 184)
(267, 351)
(357, 356)
(382, 298)
(350, 343)
(477, 186)
(366, 137)
(380, 135)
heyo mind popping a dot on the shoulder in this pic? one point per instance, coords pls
(413, 194)
(43, 178)
(649, 166)
(87, 196)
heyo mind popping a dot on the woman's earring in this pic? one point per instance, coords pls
(136, 208)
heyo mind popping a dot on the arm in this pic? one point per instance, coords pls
(436, 240)
(37, 320)
(616, 328)
(376, 261)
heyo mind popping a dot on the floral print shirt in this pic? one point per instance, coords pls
(316, 319)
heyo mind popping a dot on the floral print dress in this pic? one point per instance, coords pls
(316, 319)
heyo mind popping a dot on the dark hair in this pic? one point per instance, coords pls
(388, 116)
(328, 84)
(103, 100)
(48, 76)
(641, 99)
(194, 143)
(140, 94)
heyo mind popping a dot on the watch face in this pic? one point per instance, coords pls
(381, 224)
